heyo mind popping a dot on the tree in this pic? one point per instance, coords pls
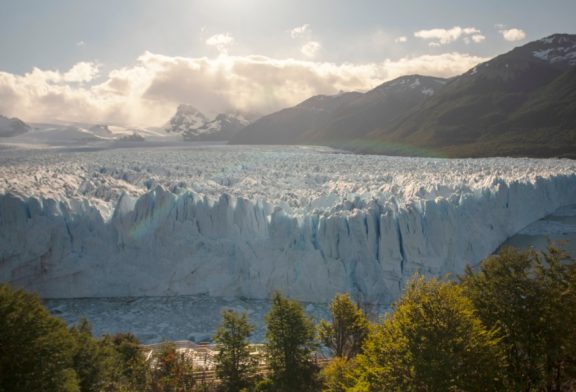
(133, 364)
(171, 370)
(36, 349)
(531, 298)
(111, 363)
(88, 360)
(336, 376)
(234, 365)
(348, 329)
(431, 342)
(290, 343)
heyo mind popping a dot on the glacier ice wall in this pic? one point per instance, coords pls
(238, 221)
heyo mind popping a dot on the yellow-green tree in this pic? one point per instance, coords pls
(235, 367)
(432, 341)
(531, 298)
(290, 342)
(346, 332)
(336, 375)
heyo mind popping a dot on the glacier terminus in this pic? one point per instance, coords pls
(243, 221)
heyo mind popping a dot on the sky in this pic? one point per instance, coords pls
(132, 62)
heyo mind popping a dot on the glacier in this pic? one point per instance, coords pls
(243, 221)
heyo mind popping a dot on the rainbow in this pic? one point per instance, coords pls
(159, 210)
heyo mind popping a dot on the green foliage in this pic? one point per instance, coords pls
(265, 385)
(234, 365)
(88, 360)
(432, 341)
(348, 329)
(290, 339)
(111, 367)
(111, 363)
(171, 371)
(507, 326)
(134, 368)
(336, 376)
(531, 298)
(36, 349)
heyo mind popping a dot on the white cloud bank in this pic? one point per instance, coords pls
(513, 35)
(439, 37)
(148, 92)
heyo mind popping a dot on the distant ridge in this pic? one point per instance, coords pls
(12, 126)
(343, 116)
(521, 103)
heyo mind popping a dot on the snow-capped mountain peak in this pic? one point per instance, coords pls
(195, 126)
(557, 48)
(425, 85)
(187, 117)
(222, 127)
(556, 53)
(224, 121)
(101, 130)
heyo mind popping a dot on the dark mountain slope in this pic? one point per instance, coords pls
(521, 103)
(295, 125)
(328, 119)
(479, 103)
(379, 109)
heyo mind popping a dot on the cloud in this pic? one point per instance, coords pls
(441, 37)
(220, 39)
(304, 34)
(476, 38)
(401, 40)
(80, 43)
(442, 65)
(81, 72)
(310, 48)
(513, 35)
(221, 42)
(470, 30)
(300, 31)
(147, 92)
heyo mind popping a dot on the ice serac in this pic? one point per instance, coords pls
(167, 239)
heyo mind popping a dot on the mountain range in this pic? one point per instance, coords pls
(521, 103)
(195, 126)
